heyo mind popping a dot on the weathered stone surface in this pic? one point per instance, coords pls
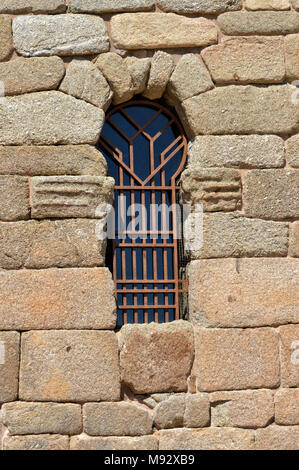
(197, 412)
(206, 439)
(286, 406)
(6, 42)
(84, 442)
(246, 60)
(57, 299)
(235, 359)
(139, 70)
(292, 151)
(116, 72)
(216, 189)
(289, 355)
(36, 442)
(272, 194)
(64, 35)
(199, 6)
(294, 240)
(259, 22)
(35, 160)
(70, 196)
(16, 7)
(50, 243)
(232, 235)
(161, 70)
(110, 6)
(42, 418)
(190, 410)
(243, 292)
(170, 413)
(51, 113)
(292, 56)
(14, 198)
(9, 365)
(246, 409)
(189, 78)
(116, 419)
(243, 110)
(278, 438)
(75, 366)
(161, 30)
(295, 4)
(268, 4)
(84, 81)
(238, 151)
(34, 74)
(156, 358)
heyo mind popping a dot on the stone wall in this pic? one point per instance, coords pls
(228, 378)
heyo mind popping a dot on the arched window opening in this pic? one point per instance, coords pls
(146, 150)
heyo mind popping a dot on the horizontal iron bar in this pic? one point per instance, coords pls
(145, 307)
(146, 188)
(146, 245)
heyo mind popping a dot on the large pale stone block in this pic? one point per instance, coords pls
(244, 292)
(110, 6)
(189, 78)
(52, 243)
(116, 72)
(292, 56)
(84, 442)
(294, 240)
(76, 366)
(289, 355)
(278, 438)
(116, 419)
(139, 70)
(57, 299)
(47, 442)
(9, 365)
(6, 42)
(246, 60)
(35, 160)
(292, 151)
(70, 196)
(199, 6)
(272, 194)
(64, 35)
(236, 359)
(254, 5)
(267, 4)
(286, 406)
(51, 113)
(161, 69)
(259, 22)
(231, 235)
(84, 81)
(156, 358)
(238, 151)
(42, 418)
(295, 4)
(160, 31)
(243, 110)
(33, 74)
(246, 409)
(15, 7)
(189, 410)
(14, 198)
(216, 189)
(206, 439)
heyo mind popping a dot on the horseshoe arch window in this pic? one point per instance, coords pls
(146, 149)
